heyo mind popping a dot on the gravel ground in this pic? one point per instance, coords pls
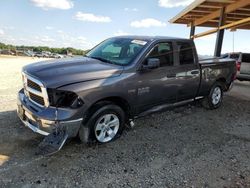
(186, 147)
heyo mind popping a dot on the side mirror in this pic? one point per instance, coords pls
(152, 63)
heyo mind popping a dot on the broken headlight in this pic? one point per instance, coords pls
(59, 98)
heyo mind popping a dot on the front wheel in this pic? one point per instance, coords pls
(214, 99)
(105, 124)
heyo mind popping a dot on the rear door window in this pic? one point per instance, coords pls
(186, 53)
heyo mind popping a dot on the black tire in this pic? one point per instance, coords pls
(210, 102)
(92, 122)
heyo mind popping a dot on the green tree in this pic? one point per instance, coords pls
(44, 48)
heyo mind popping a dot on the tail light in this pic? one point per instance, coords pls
(238, 64)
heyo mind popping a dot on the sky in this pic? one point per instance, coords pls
(84, 23)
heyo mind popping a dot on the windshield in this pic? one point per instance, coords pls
(120, 51)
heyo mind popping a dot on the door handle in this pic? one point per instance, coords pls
(194, 72)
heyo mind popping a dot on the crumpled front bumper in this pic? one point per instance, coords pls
(42, 120)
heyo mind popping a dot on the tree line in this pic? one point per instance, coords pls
(43, 48)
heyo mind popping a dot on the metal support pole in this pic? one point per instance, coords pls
(192, 31)
(220, 34)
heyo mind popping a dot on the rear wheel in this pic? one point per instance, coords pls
(105, 124)
(214, 99)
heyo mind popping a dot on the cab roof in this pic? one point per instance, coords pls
(151, 38)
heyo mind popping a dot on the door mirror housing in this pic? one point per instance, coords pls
(152, 63)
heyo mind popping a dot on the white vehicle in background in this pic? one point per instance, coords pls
(243, 64)
(57, 56)
(41, 54)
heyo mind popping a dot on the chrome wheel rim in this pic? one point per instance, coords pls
(107, 127)
(216, 96)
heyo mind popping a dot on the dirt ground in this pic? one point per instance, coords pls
(187, 147)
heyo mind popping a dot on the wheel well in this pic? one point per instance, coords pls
(114, 100)
(120, 102)
(223, 83)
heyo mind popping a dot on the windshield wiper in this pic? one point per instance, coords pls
(102, 59)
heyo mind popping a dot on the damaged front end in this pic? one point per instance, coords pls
(49, 112)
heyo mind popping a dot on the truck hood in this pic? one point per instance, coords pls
(57, 73)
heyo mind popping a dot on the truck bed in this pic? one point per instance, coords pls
(216, 69)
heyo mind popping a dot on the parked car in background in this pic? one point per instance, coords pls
(42, 54)
(57, 56)
(6, 52)
(243, 64)
(39, 54)
(29, 53)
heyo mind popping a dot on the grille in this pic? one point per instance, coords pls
(35, 91)
(36, 98)
(33, 85)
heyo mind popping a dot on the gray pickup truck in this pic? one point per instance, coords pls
(120, 79)
(243, 64)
